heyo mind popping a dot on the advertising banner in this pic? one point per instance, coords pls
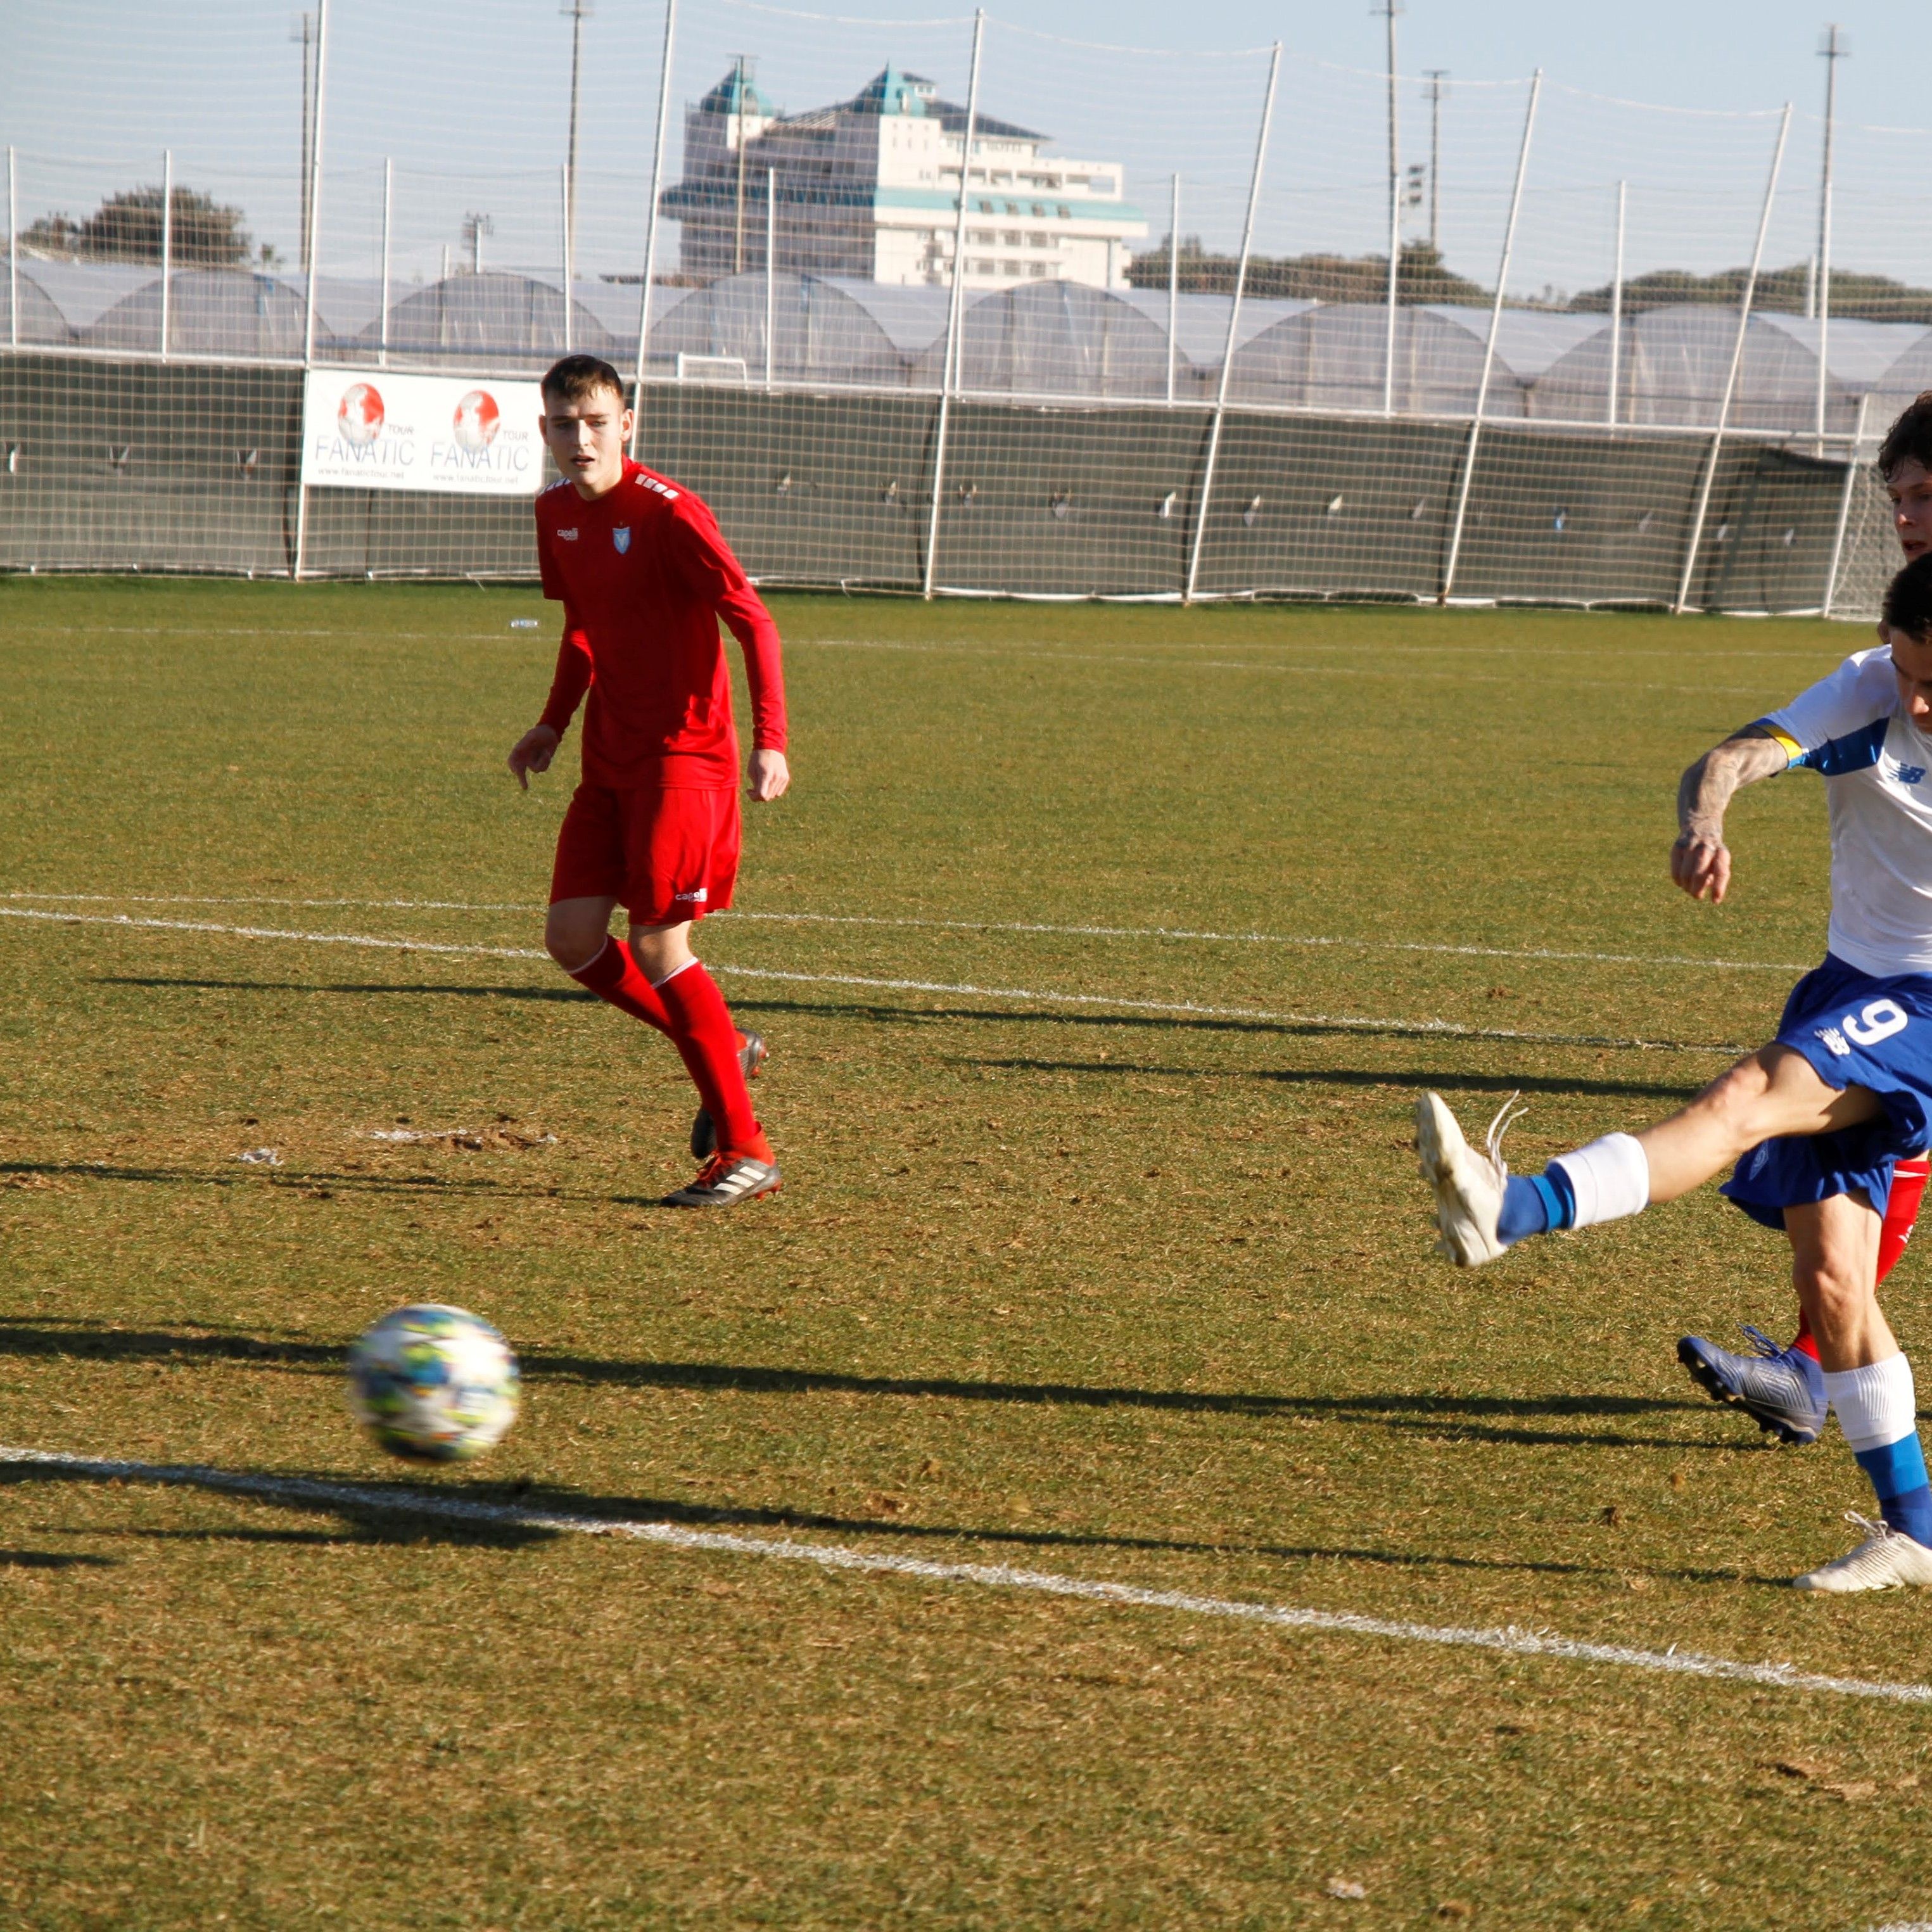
(373, 429)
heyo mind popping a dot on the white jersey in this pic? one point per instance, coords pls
(1877, 768)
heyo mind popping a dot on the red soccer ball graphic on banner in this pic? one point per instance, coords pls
(475, 420)
(359, 416)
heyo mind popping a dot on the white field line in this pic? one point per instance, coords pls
(1167, 932)
(1513, 1642)
(1106, 659)
(1338, 1022)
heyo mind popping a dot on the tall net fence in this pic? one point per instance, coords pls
(948, 305)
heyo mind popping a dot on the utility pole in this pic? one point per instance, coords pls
(576, 12)
(1388, 9)
(1436, 77)
(302, 28)
(1833, 50)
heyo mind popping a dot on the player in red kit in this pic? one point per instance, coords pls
(644, 575)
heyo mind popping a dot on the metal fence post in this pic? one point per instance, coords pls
(651, 221)
(314, 207)
(1173, 282)
(771, 265)
(1234, 322)
(389, 204)
(1490, 347)
(949, 367)
(1617, 310)
(167, 243)
(1390, 8)
(569, 266)
(1845, 506)
(1691, 549)
(13, 256)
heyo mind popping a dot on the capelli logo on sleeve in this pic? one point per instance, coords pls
(567, 536)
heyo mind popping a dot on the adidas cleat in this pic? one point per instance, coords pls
(1781, 1390)
(725, 1179)
(1888, 1559)
(751, 1055)
(1468, 1185)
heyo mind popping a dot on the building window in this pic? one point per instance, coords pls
(985, 208)
(983, 269)
(1065, 213)
(1009, 268)
(1011, 237)
(1012, 208)
(1039, 241)
(1038, 213)
(983, 237)
(1036, 268)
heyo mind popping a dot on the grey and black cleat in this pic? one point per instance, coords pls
(751, 1056)
(725, 1179)
(1781, 1390)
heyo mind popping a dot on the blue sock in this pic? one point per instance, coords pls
(1897, 1473)
(1534, 1204)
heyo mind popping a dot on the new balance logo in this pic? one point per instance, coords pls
(1910, 775)
(1834, 1041)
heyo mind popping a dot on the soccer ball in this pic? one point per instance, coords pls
(432, 1383)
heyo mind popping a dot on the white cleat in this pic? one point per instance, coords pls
(1468, 1185)
(1888, 1559)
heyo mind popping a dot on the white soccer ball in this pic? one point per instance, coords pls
(433, 1383)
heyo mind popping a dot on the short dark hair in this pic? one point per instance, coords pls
(1908, 600)
(577, 376)
(1908, 439)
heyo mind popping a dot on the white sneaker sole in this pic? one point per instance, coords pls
(1465, 1213)
(1889, 1563)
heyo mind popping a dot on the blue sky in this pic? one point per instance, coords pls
(468, 98)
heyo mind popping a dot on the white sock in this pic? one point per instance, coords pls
(1877, 1404)
(1610, 1178)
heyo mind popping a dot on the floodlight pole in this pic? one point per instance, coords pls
(313, 228)
(1617, 309)
(1845, 505)
(388, 208)
(651, 222)
(1195, 548)
(1490, 347)
(1831, 52)
(950, 362)
(1389, 9)
(1436, 77)
(771, 265)
(1173, 282)
(1710, 477)
(167, 242)
(577, 9)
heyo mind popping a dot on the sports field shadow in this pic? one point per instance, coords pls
(51, 1559)
(302, 1180)
(1456, 1082)
(386, 1518)
(883, 1013)
(1500, 1419)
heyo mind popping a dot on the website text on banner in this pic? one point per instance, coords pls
(371, 429)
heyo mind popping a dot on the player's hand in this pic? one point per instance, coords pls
(532, 752)
(770, 775)
(1701, 863)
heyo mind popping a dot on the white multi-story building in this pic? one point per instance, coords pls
(869, 189)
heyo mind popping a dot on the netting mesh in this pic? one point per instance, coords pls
(1072, 385)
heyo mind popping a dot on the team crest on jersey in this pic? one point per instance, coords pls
(621, 537)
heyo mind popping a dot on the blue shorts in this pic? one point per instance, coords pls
(1855, 1031)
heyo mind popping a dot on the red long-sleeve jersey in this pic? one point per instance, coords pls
(644, 575)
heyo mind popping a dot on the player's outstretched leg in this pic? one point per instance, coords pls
(1482, 1209)
(1783, 1390)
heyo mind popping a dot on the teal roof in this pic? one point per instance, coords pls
(893, 91)
(725, 97)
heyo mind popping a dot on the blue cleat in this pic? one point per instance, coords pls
(1781, 1390)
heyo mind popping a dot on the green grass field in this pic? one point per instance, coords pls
(1116, 1291)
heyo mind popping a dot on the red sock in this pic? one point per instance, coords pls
(701, 1029)
(613, 975)
(1901, 1211)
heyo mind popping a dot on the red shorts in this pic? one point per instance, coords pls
(666, 853)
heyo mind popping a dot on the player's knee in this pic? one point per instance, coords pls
(1740, 1103)
(1831, 1288)
(573, 942)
